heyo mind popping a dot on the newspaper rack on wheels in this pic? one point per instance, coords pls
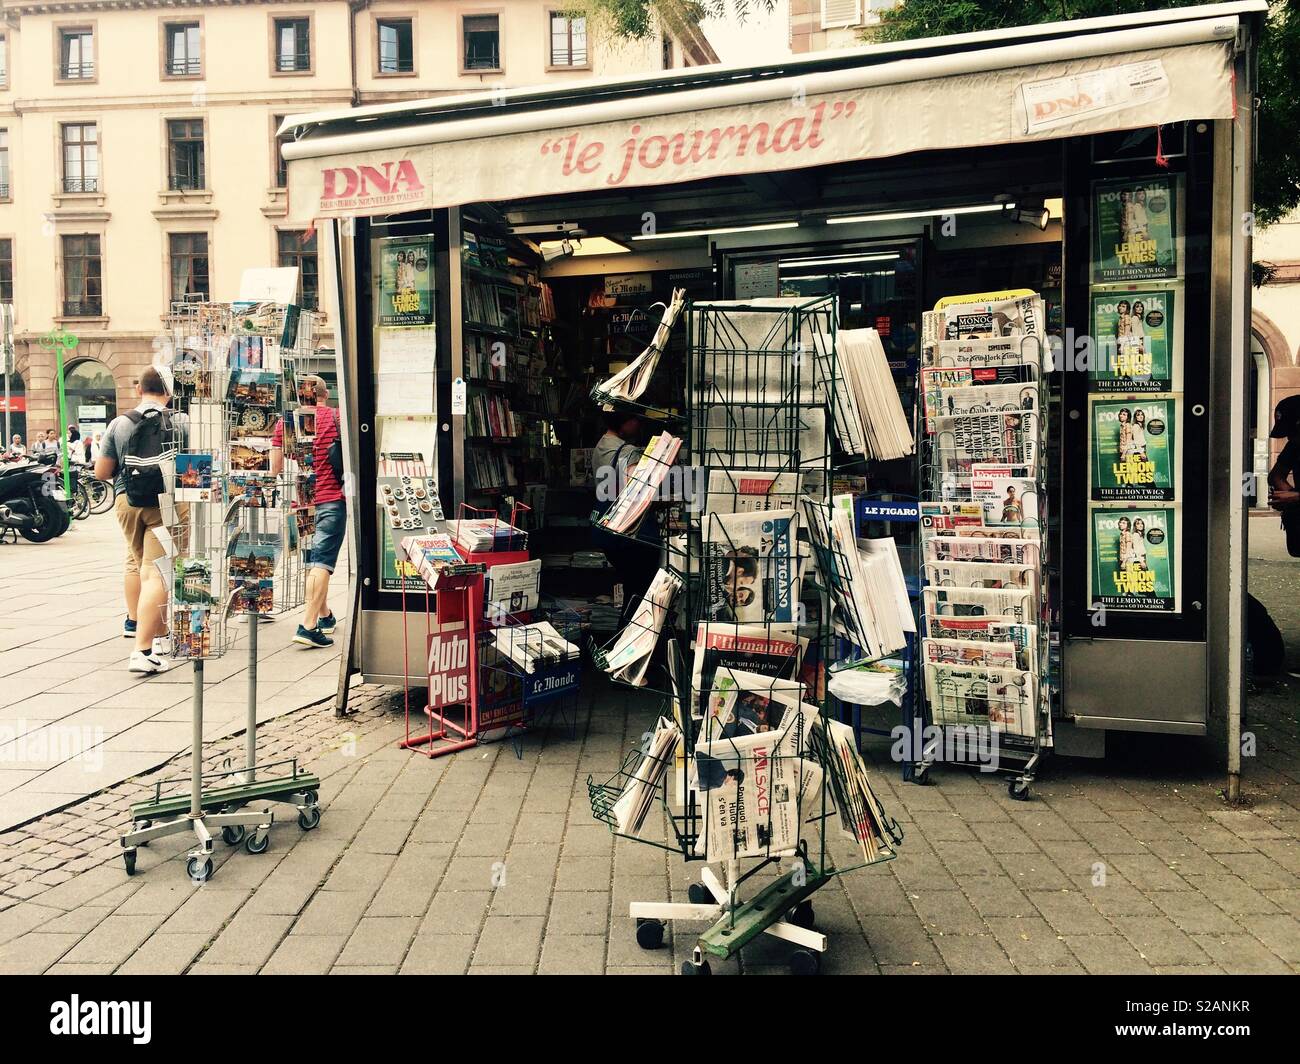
(985, 667)
(766, 788)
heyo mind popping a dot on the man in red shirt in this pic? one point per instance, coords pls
(318, 621)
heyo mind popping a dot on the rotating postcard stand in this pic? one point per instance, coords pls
(198, 617)
(762, 773)
(984, 662)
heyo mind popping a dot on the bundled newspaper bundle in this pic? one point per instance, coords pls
(640, 790)
(642, 487)
(534, 646)
(630, 656)
(752, 566)
(860, 814)
(631, 381)
(868, 594)
(869, 417)
(477, 534)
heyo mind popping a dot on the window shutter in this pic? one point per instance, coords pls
(837, 13)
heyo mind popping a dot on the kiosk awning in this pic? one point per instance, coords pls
(971, 90)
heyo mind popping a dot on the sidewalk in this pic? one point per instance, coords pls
(483, 863)
(73, 721)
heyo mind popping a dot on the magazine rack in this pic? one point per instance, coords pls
(977, 710)
(761, 392)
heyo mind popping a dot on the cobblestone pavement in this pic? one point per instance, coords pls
(483, 862)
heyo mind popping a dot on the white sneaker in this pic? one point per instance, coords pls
(159, 664)
(162, 647)
(142, 662)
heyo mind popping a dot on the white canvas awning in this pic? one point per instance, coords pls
(1086, 77)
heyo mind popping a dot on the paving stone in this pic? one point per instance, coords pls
(379, 940)
(1107, 955)
(112, 940)
(305, 955)
(161, 954)
(250, 938)
(1030, 942)
(573, 955)
(432, 954)
(1241, 955)
(456, 913)
(973, 955)
(33, 953)
(509, 940)
(1069, 912)
(332, 912)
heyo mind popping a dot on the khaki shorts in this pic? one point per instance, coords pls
(137, 522)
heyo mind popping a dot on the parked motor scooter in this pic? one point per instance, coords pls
(32, 499)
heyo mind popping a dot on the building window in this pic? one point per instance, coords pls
(668, 52)
(4, 61)
(83, 293)
(189, 259)
(5, 190)
(568, 40)
(6, 270)
(76, 55)
(298, 248)
(396, 45)
(184, 154)
(292, 45)
(482, 35)
(183, 56)
(80, 158)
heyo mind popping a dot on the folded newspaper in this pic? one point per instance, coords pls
(752, 566)
(861, 816)
(763, 650)
(643, 484)
(639, 793)
(534, 646)
(631, 381)
(629, 657)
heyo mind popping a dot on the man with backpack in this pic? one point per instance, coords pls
(136, 449)
(318, 621)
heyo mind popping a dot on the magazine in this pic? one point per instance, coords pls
(642, 487)
(1008, 496)
(433, 556)
(1135, 331)
(1133, 453)
(1133, 559)
(1137, 229)
(763, 650)
(861, 816)
(752, 567)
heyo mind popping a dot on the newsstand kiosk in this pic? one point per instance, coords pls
(1106, 163)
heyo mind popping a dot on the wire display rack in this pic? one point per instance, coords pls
(982, 671)
(744, 770)
(234, 551)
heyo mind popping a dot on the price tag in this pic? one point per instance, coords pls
(459, 396)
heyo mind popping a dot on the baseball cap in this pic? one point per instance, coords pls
(1286, 417)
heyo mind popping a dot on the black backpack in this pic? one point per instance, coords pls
(151, 444)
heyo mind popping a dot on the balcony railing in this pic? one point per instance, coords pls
(179, 68)
(77, 71)
(292, 63)
(4, 190)
(483, 59)
(83, 308)
(185, 182)
(81, 184)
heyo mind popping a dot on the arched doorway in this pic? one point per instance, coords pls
(91, 394)
(1259, 412)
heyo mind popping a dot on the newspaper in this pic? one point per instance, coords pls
(752, 567)
(1003, 699)
(642, 487)
(1016, 551)
(970, 652)
(861, 816)
(764, 650)
(990, 319)
(512, 588)
(1018, 603)
(1024, 637)
(630, 655)
(966, 439)
(982, 574)
(869, 416)
(639, 793)
(754, 796)
(750, 490)
(744, 703)
(529, 646)
(631, 381)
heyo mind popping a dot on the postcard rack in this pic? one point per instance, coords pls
(982, 670)
(765, 787)
(236, 551)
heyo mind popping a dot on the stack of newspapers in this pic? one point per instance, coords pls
(864, 578)
(642, 786)
(629, 657)
(630, 383)
(534, 646)
(982, 518)
(869, 415)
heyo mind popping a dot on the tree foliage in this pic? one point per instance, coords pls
(1277, 175)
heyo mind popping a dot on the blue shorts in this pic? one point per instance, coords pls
(326, 541)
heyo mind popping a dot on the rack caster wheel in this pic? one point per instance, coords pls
(140, 825)
(649, 934)
(802, 915)
(691, 968)
(128, 859)
(1018, 790)
(309, 818)
(699, 894)
(199, 871)
(805, 962)
(233, 834)
(258, 842)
